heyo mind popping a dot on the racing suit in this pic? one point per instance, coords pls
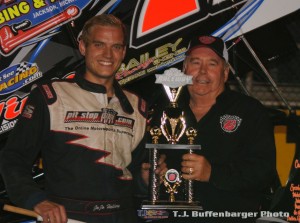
(89, 145)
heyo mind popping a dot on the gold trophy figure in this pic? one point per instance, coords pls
(172, 121)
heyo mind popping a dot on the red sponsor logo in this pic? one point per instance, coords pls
(48, 91)
(12, 107)
(6, 1)
(172, 177)
(157, 19)
(207, 39)
(230, 123)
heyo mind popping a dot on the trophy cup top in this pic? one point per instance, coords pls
(172, 121)
(173, 79)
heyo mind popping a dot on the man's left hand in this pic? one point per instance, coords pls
(195, 167)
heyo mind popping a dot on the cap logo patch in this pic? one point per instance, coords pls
(207, 39)
(230, 123)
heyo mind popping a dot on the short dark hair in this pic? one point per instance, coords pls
(102, 20)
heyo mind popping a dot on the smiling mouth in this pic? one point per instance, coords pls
(105, 63)
(202, 81)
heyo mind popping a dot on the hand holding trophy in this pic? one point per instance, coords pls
(172, 127)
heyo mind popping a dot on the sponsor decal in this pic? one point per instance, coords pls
(148, 27)
(162, 56)
(28, 111)
(10, 109)
(106, 116)
(18, 76)
(150, 24)
(295, 192)
(153, 214)
(6, 126)
(48, 91)
(22, 22)
(6, 1)
(230, 123)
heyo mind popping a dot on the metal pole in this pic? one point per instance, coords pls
(154, 180)
(238, 79)
(190, 191)
(267, 73)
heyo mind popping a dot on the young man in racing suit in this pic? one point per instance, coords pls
(88, 131)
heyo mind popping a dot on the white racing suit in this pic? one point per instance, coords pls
(89, 147)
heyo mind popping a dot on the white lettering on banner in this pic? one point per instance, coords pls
(6, 126)
(66, 2)
(45, 11)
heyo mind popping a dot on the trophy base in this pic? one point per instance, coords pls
(167, 205)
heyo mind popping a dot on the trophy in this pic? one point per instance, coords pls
(173, 128)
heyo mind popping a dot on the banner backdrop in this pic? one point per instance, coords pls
(254, 14)
(39, 38)
(38, 41)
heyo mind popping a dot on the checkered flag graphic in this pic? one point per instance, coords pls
(24, 66)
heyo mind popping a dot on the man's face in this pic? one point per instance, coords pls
(208, 70)
(104, 52)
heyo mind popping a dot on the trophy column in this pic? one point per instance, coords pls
(171, 182)
(191, 133)
(155, 132)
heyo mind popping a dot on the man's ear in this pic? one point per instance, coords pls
(226, 71)
(124, 52)
(82, 47)
(184, 66)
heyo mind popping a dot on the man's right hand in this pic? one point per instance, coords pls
(160, 170)
(51, 212)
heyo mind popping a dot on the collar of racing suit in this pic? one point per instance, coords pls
(97, 88)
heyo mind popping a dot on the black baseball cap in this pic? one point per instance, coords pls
(212, 42)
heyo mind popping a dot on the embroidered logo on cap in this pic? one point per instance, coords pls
(230, 123)
(207, 39)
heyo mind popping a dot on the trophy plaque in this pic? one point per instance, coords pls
(173, 128)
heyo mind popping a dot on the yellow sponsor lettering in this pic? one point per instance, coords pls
(14, 11)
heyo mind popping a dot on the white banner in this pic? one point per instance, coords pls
(256, 13)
